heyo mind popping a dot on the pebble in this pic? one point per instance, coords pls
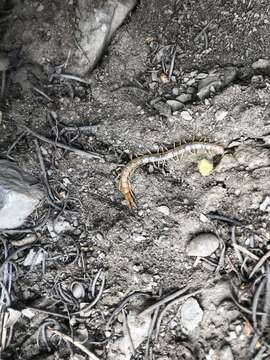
(77, 290)
(175, 91)
(138, 237)
(164, 210)
(175, 105)
(265, 205)
(221, 114)
(203, 245)
(186, 115)
(184, 98)
(226, 353)
(191, 315)
(262, 65)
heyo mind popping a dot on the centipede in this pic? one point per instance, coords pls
(176, 153)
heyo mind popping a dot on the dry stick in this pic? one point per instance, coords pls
(259, 264)
(12, 146)
(75, 343)
(45, 178)
(150, 332)
(42, 93)
(162, 313)
(47, 312)
(244, 309)
(86, 154)
(255, 303)
(163, 301)
(246, 251)
(123, 304)
(125, 321)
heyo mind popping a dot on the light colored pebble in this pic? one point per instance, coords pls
(265, 205)
(138, 237)
(186, 115)
(191, 315)
(203, 244)
(221, 114)
(164, 210)
(77, 290)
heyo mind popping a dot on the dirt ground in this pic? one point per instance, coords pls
(140, 250)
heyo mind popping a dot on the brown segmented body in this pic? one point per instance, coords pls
(176, 153)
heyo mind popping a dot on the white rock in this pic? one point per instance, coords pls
(186, 115)
(203, 244)
(164, 210)
(221, 114)
(265, 205)
(138, 237)
(19, 195)
(191, 315)
(226, 353)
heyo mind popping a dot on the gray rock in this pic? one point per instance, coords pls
(226, 353)
(175, 105)
(262, 65)
(191, 315)
(164, 210)
(175, 91)
(184, 98)
(98, 21)
(216, 82)
(203, 244)
(19, 195)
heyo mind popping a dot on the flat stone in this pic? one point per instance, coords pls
(191, 315)
(164, 210)
(203, 244)
(175, 105)
(186, 115)
(221, 114)
(262, 65)
(184, 98)
(20, 194)
(226, 353)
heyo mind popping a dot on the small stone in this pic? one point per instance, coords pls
(203, 245)
(153, 85)
(164, 210)
(265, 205)
(191, 315)
(262, 65)
(40, 8)
(164, 78)
(138, 237)
(175, 91)
(201, 76)
(221, 114)
(186, 115)
(184, 98)
(77, 290)
(175, 105)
